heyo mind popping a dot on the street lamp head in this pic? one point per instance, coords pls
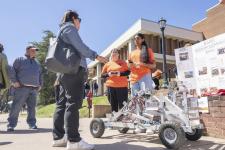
(162, 23)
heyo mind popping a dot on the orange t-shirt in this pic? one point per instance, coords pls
(138, 73)
(116, 81)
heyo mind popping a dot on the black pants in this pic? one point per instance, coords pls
(116, 96)
(68, 102)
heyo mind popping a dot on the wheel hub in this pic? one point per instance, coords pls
(95, 127)
(170, 135)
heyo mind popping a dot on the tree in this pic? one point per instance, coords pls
(46, 95)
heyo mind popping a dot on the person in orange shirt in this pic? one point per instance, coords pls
(141, 62)
(116, 72)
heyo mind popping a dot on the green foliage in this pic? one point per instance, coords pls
(47, 111)
(46, 95)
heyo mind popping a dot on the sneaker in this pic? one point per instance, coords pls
(10, 129)
(33, 127)
(60, 143)
(82, 145)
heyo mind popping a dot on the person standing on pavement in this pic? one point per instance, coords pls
(116, 72)
(26, 78)
(87, 88)
(141, 62)
(4, 77)
(72, 88)
(95, 87)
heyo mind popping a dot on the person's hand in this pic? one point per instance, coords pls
(16, 84)
(102, 59)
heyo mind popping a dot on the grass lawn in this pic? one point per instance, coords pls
(47, 111)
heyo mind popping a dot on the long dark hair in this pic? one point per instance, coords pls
(144, 50)
(68, 16)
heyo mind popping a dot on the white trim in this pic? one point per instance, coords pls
(169, 25)
(171, 31)
(198, 22)
(207, 12)
(213, 7)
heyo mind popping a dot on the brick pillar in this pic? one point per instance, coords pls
(214, 121)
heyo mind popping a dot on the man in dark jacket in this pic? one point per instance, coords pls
(26, 79)
(4, 80)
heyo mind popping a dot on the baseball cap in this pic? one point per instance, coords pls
(33, 47)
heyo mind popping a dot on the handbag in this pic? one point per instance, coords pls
(62, 57)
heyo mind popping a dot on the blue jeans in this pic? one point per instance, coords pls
(23, 95)
(145, 83)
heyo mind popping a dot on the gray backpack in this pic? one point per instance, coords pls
(62, 57)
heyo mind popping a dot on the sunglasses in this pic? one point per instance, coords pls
(79, 19)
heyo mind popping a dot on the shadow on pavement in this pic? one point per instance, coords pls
(135, 138)
(5, 143)
(125, 146)
(203, 145)
(28, 131)
(189, 145)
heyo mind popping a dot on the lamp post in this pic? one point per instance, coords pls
(162, 25)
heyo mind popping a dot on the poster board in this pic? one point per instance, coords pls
(201, 67)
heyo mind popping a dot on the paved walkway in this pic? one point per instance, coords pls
(25, 139)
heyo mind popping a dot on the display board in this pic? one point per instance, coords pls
(201, 67)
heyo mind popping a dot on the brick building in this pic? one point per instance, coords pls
(214, 22)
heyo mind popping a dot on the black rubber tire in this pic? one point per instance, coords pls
(194, 136)
(180, 135)
(123, 130)
(97, 127)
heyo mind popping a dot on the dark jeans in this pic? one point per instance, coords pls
(23, 95)
(68, 102)
(116, 97)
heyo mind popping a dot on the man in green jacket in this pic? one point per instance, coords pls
(4, 78)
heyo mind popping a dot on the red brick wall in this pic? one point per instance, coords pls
(214, 121)
(214, 22)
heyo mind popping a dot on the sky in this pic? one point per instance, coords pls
(103, 21)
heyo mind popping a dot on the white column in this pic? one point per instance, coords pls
(131, 45)
(99, 81)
